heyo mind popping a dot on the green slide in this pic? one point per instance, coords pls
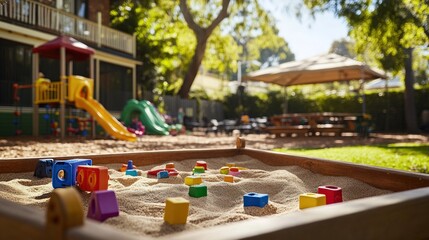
(153, 122)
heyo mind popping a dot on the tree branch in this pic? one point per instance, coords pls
(188, 17)
(222, 15)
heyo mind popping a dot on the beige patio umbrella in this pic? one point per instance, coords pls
(318, 69)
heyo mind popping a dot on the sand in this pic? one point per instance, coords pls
(142, 199)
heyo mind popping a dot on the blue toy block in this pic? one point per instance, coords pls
(64, 172)
(130, 165)
(131, 172)
(44, 168)
(255, 199)
(162, 174)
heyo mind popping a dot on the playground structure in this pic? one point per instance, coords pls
(147, 114)
(71, 90)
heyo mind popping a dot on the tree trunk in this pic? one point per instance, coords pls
(194, 66)
(409, 102)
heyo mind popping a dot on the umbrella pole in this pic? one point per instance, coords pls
(285, 102)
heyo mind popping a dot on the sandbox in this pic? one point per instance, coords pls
(378, 203)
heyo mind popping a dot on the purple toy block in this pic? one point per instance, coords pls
(255, 199)
(103, 205)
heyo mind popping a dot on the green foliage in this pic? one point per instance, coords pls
(404, 156)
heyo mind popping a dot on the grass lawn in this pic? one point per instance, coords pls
(404, 156)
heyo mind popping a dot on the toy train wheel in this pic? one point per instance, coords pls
(65, 211)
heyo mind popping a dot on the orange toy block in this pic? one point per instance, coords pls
(169, 165)
(125, 167)
(228, 178)
(92, 178)
(230, 165)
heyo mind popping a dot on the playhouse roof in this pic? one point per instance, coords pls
(75, 50)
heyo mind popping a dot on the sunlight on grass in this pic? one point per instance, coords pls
(404, 156)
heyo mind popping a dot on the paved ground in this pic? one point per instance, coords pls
(15, 147)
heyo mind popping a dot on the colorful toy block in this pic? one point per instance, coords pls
(124, 167)
(308, 200)
(130, 165)
(64, 172)
(333, 194)
(234, 171)
(230, 165)
(92, 178)
(102, 205)
(169, 165)
(198, 169)
(171, 172)
(202, 164)
(176, 210)
(131, 172)
(253, 199)
(198, 191)
(193, 180)
(224, 170)
(228, 178)
(44, 168)
(162, 174)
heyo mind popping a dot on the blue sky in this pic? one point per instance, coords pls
(309, 36)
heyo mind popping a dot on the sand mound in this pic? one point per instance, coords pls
(142, 199)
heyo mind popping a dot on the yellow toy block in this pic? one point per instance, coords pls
(308, 200)
(230, 165)
(224, 170)
(228, 178)
(193, 180)
(176, 210)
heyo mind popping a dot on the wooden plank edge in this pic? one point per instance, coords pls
(15, 165)
(384, 178)
(401, 215)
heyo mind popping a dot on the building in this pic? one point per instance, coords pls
(25, 24)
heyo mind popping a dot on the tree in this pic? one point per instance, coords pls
(390, 30)
(342, 47)
(202, 34)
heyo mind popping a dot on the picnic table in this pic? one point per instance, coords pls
(316, 124)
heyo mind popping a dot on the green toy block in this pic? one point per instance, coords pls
(199, 169)
(198, 191)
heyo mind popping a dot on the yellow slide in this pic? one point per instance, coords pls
(105, 119)
(81, 93)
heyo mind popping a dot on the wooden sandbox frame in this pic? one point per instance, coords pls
(403, 214)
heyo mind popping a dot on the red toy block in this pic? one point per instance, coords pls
(333, 194)
(103, 205)
(92, 178)
(171, 172)
(201, 164)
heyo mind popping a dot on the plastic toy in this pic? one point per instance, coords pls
(64, 172)
(171, 171)
(228, 178)
(124, 167)
(234, 171)
(333, 194)
(198, 169)
(130, 165)
(103, 205)
(169, 165)
(202, 164)
(308, 200)
(131, 172)
(193, 180)
(224, 170)
(198, 191)
(44, 168)
(255, 199)
(92, 178)
(162, 174)
(176, 210)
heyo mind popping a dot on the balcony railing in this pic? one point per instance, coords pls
(40, 16)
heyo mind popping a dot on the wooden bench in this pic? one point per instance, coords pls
(337, 129)
(300, 130)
